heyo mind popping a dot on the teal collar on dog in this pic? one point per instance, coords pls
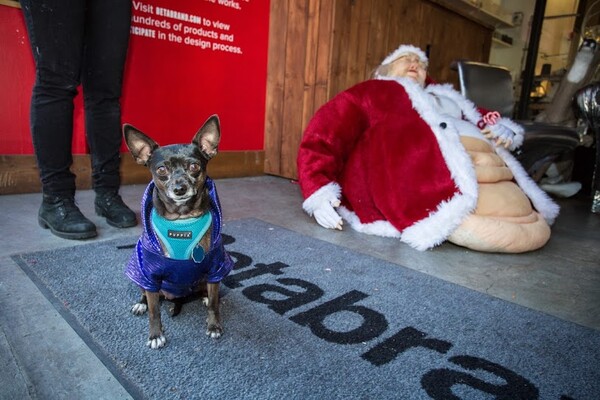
(180, 237)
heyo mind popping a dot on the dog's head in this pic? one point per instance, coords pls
(178, 170)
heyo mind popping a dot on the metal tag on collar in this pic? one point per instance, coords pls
(198, 254)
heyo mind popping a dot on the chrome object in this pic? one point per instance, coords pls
(588, 104)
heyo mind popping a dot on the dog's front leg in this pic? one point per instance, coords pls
(156, 339)
(214, 328)
(141, 306)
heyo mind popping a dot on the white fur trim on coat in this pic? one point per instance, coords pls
(441, 222)
(377, 228)
(472, 114)
(468, 108)
(436, 228)
(325, 194)
(540, 200)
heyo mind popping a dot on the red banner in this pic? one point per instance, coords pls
(190, 59)
(187, 59)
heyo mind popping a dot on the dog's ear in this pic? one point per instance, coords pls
(208, 137)
(140, 145)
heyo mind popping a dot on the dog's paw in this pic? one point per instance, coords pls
(205, 301)
(175, 309)
(157, 342)
(214, 331)
(139, 308)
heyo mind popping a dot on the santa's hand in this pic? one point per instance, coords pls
(327, 217)
(501, 134)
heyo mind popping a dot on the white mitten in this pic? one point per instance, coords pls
(327, 217)
(321, 205)
(505, 132)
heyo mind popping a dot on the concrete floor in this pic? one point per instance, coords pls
(43, 358)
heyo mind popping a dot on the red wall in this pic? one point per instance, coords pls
(170, 88)
(16, 79)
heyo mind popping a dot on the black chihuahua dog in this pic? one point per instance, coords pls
(180, 252)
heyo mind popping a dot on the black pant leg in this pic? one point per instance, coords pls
(106, 42)
(55, 29)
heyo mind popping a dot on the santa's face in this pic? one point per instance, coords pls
(409, 65)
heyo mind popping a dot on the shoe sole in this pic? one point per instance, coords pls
(67, 235)
(124, 224)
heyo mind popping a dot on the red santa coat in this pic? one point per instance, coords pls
(395, 162)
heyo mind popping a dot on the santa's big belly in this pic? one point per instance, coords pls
(504, 220)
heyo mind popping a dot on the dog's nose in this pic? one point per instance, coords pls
(180, 189)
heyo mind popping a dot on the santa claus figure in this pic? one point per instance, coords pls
(395, 157)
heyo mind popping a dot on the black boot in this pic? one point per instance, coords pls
(110, 205)
(63, 218)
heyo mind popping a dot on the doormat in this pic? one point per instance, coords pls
(306, 319)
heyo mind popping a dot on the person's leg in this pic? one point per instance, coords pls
(55, 29)
(106, 42)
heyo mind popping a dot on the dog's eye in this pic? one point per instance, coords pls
(194, 167)
(162, 171)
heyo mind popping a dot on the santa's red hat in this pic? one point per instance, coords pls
(403, 50)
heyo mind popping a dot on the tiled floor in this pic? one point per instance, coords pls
(44, 358)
